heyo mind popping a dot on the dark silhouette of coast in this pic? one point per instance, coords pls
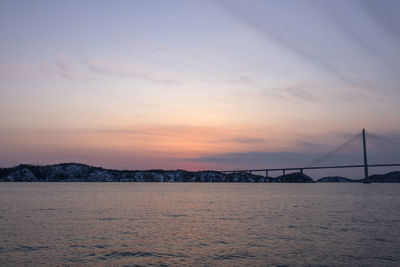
(76, 172)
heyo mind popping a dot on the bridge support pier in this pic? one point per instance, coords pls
(283, 171)
(266, 173)
(365, 158)
(301, 171)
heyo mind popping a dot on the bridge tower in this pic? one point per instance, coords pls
(366, 181)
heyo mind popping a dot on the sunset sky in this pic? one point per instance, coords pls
(194, 84)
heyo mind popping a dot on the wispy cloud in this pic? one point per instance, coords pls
(243, 79)
(247, 140)
(370, 42)
(300, 43)
(314, 151)
(386, 15)
(184, 132)
(67, 68)
(302, 94)
(123, 70)
(96, 69)
(278, 33)
(258, 159)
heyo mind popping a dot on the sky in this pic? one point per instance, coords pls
(210, 84)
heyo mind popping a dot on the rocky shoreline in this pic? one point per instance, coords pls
(76, 172)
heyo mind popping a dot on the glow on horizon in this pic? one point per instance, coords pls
(164, 84)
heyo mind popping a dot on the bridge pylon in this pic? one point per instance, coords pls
(366, 181)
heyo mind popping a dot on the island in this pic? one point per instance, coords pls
(77, 172)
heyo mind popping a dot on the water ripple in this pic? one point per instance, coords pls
(176, 215)
(109, 219)
(199, 225)
(24, 248)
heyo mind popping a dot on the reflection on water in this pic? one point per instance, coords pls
(199, 224)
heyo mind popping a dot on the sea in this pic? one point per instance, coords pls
(199, 224)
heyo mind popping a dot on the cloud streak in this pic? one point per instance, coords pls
(381, 15)
(67, 68)
(277, 35)
(256, 159)
(184, 133)
(302, 94)
(102, 67)
(95, 69)
(300, 43)
(386, 16)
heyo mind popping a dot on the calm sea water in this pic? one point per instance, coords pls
(195, 224)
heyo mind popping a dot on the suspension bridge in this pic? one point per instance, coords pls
(379, 151)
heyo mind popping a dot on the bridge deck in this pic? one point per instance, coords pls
(312, 168)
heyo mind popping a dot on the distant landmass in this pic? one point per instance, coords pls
(76, 172)
(337, 179)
